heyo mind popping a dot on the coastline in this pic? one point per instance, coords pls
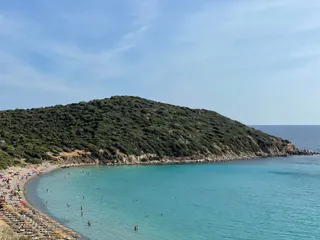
(21, 216)
(46, 168)
(31, 184)
(147, 159)
(46, 171)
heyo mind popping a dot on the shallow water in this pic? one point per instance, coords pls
(257, 199)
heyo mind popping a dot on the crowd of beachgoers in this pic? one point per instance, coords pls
(18, 214)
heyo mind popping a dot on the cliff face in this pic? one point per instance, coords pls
(131, 130)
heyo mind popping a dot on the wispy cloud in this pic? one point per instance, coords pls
(71, 61)
(222, 55)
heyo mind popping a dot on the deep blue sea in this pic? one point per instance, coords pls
(265, 199)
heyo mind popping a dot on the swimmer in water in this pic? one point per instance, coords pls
(81, 208)
(89, 224)
(68, 205)
(81, 214)
(46, 203)
(136, 227)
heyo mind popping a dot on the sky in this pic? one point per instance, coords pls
(256, 61)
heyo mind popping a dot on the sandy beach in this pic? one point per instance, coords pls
(18, 214)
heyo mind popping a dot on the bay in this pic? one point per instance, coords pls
(264, 199)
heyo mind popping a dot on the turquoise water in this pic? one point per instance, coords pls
(266, 199)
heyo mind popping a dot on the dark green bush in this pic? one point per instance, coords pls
(129, 125)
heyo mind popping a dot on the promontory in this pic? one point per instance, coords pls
(130, 130)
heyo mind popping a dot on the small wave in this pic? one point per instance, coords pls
(296, 174)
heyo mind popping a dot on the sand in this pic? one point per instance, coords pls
(18, 214)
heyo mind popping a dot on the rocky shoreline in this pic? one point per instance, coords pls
(153, 159)
(149, 159)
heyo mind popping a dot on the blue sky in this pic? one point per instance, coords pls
(256, 61)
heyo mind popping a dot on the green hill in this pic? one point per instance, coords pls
(112, 129)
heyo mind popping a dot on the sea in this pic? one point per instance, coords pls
(262, 199)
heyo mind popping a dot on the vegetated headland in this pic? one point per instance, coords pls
(130, 130)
